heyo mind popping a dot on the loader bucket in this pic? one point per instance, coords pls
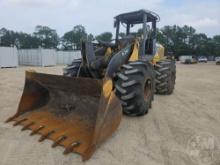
(76, 113)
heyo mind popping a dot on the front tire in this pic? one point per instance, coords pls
(135, 87)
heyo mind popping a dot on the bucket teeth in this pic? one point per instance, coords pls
(37, 130)
(9, 119)
(19, 121)
(27, 126)
(58, 141)
(43, 137)
(70, 147)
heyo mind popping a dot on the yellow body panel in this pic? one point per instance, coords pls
(108, 53)
(157, 57)
(159, 54)
(135, 52)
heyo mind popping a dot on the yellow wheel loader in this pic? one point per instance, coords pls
(82, 108)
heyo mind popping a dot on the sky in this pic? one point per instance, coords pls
(97, 15)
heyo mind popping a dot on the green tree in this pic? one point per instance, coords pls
(216, 42)
(72, 39)
(177, 39)
(198, 43)
(7, 37)
(161, 38)
(26, 41)
(122, 35)
(90, 37)
(106, 36)
(48, 37)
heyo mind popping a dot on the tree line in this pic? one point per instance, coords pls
(178, 40)
(185, 41)
(46, 37)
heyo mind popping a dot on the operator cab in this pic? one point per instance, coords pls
(146, 34)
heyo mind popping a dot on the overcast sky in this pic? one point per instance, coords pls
(97, 15)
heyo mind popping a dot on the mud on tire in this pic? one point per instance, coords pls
(135, 87)
(165, 77)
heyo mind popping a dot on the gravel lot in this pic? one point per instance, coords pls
(180, 129)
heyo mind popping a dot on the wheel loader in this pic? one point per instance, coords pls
(82, 108)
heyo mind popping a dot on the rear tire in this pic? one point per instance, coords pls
(72, 69)
(165, 77)
(76, 70)
(135, 87)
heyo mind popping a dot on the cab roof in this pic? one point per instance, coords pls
(136, 17)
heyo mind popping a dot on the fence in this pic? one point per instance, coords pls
(66, 57)
(8, 57)
(11, 57)
(37, 57)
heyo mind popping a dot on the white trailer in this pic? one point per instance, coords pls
(186, 59)
(8, 57)
(66, 57)
(37, 57)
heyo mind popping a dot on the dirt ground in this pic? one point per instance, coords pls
(183, 128)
